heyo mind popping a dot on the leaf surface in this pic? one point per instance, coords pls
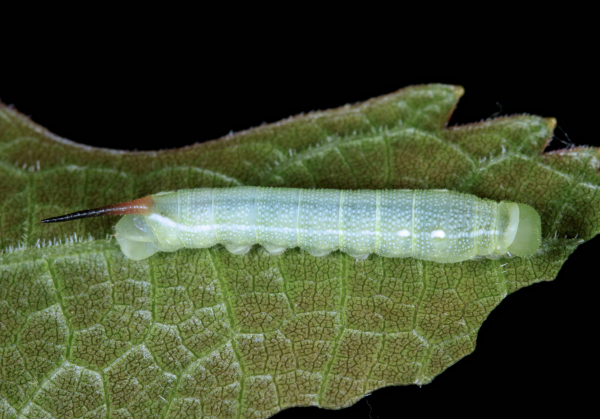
(85, 332)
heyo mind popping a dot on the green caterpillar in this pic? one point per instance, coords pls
(436, 225)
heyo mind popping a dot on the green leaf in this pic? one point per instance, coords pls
(85, 332)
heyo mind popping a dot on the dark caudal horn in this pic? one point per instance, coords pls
(138, 206)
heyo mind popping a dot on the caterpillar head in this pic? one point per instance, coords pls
(528, 232)
(520, 229)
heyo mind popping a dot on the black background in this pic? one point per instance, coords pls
(535, 353)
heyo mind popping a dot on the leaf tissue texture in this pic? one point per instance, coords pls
(87, 333)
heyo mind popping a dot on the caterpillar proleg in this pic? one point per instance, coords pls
(436, 225)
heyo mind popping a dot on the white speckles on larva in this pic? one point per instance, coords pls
(439, 225)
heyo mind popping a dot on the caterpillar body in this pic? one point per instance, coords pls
(436, 225)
